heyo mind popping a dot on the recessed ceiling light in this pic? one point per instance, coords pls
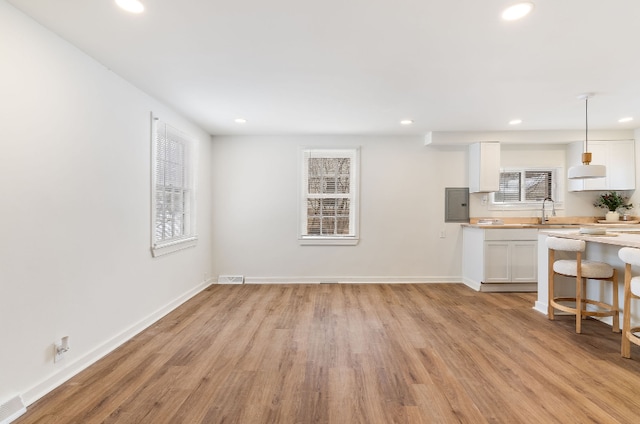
(406, 122)
(240, 121)
(515, 122)
(627, 119)
(133, 6)
(517, 11)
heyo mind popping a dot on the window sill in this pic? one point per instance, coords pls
(328, 241)
(522, 206)
(165, 248)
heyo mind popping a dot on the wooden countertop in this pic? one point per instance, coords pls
(552, 222)
(616, 237)
(507, 226)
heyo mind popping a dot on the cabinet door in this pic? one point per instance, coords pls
(524, 261)
(497, 259)
(619, 158)
(484, 167)
(621, 173)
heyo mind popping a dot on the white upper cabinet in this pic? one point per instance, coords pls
(619, 158)
(484, 167)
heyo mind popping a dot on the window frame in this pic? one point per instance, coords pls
(186, 192)
(353, 153)
(557, 190)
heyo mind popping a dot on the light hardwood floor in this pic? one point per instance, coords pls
(415, 353)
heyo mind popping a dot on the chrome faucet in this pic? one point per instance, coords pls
(553, 210)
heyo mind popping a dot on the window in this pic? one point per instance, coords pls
(329, 196)
(173, 190)
(525, 188)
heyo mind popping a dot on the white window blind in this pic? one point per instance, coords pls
(522, 187)
(173, 190)
(510, 187)
(538, 185)
(329, 202)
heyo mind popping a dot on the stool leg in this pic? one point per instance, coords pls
(615, 302)
(579, 283)
(580, 287)
(626, 314)
(550, 285)
(584, 295)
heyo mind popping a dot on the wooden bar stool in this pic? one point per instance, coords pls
(630, 256)
(581, 270)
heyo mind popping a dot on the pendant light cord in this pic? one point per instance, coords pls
(586, 124)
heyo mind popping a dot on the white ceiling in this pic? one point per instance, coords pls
(360, 66)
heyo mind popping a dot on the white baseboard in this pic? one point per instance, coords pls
(80, 364)
(350, 280)
(540, 307)
(471, 284)
(500, 287)
(509, 287)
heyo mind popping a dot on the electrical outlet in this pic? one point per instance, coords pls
(443, 233)
(58, 353)
(60, 349)
(485, 199)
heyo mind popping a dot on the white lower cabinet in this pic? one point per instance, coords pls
(510, 261)
(500, 259)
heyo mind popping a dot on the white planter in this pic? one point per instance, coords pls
(612, 216)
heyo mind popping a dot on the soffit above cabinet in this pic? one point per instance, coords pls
(450, 138)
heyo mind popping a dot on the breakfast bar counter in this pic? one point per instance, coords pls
(601, 247)
(621, 237)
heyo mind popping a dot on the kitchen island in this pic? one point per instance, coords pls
(598, 248)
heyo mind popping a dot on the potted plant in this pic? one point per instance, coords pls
(612, 202)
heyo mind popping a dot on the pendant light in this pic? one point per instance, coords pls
(586, 170)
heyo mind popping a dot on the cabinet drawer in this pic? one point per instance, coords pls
(511, 234)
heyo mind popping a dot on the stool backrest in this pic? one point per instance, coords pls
(567, 245)
(630, 255)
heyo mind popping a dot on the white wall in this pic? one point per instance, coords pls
(255, 208)
(255, 191)
(75, 216)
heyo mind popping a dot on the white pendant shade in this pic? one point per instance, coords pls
(586, 170)
(581, 172)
